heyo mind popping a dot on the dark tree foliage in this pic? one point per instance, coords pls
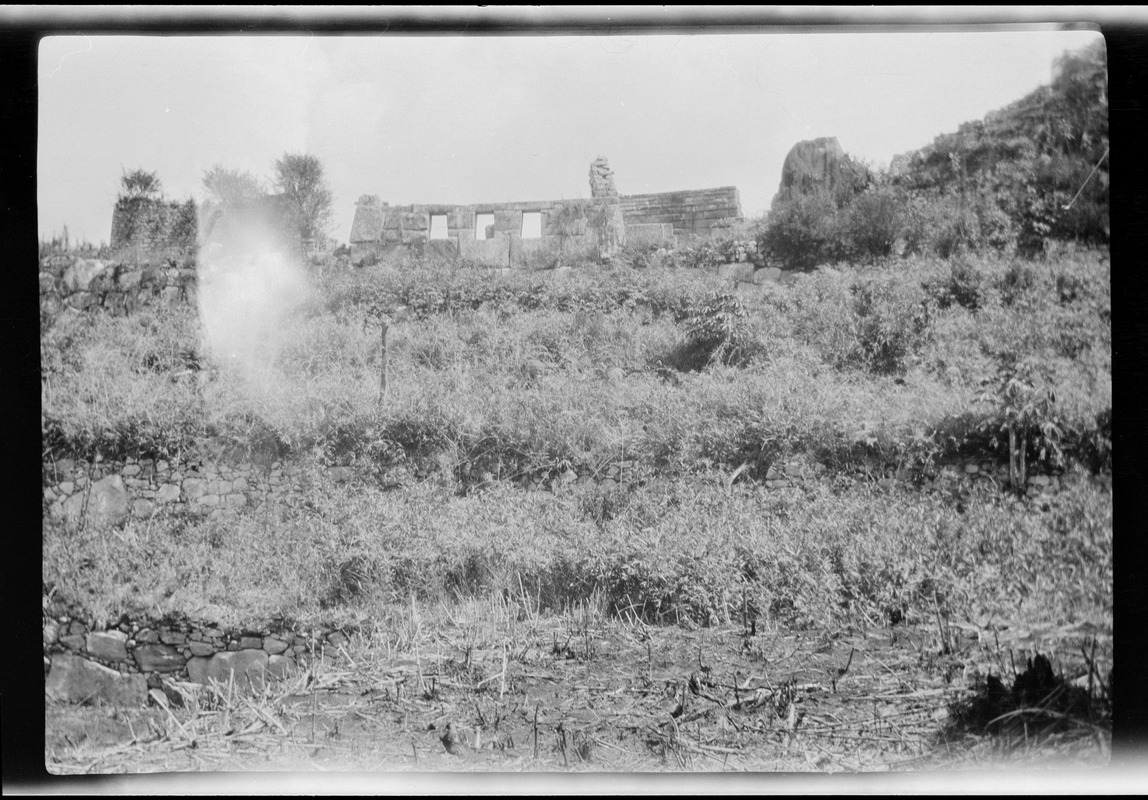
(300, 178)
(140, 184)
(232, 187)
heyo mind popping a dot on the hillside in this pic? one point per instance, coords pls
(1030, 174)
(1029, 159)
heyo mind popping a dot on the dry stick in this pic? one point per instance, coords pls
(383, 361)
(535, 733)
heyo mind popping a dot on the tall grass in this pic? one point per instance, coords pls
(495, 377)
(560, 370)
(819, 557)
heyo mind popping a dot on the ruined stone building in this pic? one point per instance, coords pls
(537, 233)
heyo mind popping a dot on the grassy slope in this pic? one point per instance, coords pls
(543, 372)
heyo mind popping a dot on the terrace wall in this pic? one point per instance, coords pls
(69, 283)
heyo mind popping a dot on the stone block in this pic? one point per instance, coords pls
(104, 503)
(415, 221)
(129, 279)
(200, 649)
(491, 252)
(74, 679)
(168, 493)
(508, 220)
(280, 666)
(274, 645)
(158, 658)
(250, 642)
(142, 507)
(194, 488)
(248, 667)
(79, 276)
(74, 641)
(108, 645)
(80, 300)
(173, 637)
(235, 500)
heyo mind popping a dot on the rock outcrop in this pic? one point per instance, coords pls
(812, 164)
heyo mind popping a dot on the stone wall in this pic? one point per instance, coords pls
(69, 282)
(692, 213)
(154, 225)
(104, 492)
(576, 229)
(655, 219)
(125, 662)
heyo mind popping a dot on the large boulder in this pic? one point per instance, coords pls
(80, 274)
(249, 668)
(76, 680)
(105, 502)
(814, 164)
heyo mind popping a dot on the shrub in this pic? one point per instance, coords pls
(800, 232)
(893, 321)
(873, 221)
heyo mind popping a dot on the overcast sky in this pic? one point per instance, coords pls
(472, 119)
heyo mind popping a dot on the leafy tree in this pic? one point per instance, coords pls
(231, 187)
(300, 178)
(140, 184)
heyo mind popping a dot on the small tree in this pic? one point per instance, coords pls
(140, 185)
(300, 178)
(231, 187)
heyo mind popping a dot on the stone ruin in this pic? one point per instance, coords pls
(602, 179)
(539, 233)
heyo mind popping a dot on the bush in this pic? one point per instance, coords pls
(800, 232)
(872, 223)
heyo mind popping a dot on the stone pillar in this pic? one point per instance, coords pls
(602, 179)
(608, 222)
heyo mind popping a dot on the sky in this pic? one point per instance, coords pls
(484, 119)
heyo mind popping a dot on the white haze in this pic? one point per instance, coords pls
(250, 284)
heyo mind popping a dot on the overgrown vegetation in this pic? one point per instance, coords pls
(669, 373)
(1031, 173)
(944, 338)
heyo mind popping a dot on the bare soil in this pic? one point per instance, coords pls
(587, 694)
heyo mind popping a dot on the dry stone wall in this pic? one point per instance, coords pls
(69, 282)
(123, 663)
(153, 225)
(104, 492)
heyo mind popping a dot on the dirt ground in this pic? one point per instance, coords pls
(594, 695)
